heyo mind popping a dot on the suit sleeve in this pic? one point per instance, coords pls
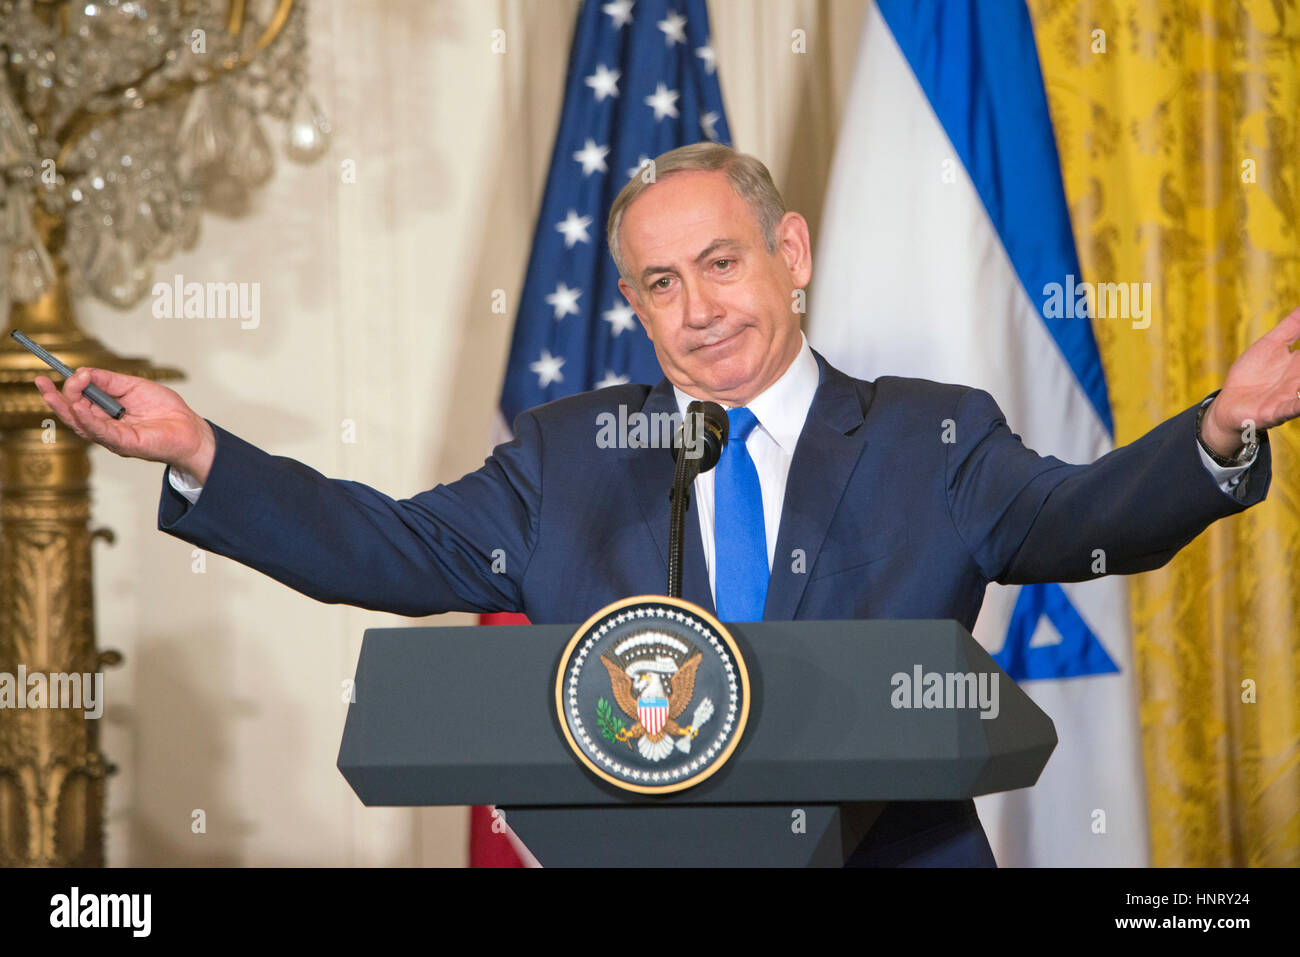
(1027, 518)
(463, 546)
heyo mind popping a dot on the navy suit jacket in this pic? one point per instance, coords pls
(905, 499)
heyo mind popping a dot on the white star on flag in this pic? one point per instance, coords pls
(547, 369)
(705, 53)
(611, 379)
(620, 12)
(592, 157)
(621, 317)
(565, 301)
(674, 28)
(642, 162)
(664, 102)
(574, 228)
(707, 122)
(604, 82)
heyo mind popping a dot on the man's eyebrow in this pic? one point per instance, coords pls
(708, 251)
(713, 247)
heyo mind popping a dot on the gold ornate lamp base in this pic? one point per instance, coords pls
(52, 774)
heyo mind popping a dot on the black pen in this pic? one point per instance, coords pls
(92, 392)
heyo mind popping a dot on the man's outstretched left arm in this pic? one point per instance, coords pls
(1028, 518)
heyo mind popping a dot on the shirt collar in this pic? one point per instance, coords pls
(781, 408)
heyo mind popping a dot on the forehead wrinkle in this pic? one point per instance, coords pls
(716, 211)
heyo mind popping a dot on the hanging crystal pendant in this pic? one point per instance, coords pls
(204, 137)
(250, 162)
(308, 131)
(31, 272)
(16, 146)
(116, 276)
(154, 242)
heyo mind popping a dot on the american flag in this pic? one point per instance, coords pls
(642, 80)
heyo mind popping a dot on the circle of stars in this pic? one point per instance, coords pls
(594, 750)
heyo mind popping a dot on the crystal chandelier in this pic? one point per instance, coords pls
(120, 120)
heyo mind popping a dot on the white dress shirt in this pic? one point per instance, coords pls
(781, 410)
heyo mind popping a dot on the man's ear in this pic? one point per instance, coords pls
(633, 300)
(795, 246)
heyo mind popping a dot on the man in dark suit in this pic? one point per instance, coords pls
(837, 498)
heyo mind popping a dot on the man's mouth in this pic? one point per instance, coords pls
(718, 341)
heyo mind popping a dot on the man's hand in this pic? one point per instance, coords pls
(157, 424)
(1262, 389)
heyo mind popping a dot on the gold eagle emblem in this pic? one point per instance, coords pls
(635, 686)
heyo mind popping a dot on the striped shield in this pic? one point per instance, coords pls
(652, 713)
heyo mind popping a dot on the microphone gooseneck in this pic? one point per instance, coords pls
(697, 447)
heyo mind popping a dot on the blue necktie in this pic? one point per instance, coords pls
(740, 541)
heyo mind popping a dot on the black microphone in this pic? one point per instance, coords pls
(703, 434)
(696, 448)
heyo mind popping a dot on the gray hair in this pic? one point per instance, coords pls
(747, 175)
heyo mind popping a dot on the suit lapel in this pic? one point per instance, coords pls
(652, 473)
(825, 456)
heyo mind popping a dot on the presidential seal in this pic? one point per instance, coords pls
(652, 694)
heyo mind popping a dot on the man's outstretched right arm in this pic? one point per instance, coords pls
(457, 547)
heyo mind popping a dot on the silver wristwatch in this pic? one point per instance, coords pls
(1241, 458)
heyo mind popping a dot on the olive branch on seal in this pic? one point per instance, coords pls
(610, 724)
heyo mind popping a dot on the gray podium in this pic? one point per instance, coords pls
(454, 716)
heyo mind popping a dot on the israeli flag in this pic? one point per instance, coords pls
(945, 225)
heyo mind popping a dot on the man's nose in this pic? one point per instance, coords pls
(703, 308)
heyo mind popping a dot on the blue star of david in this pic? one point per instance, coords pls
(1079, 652)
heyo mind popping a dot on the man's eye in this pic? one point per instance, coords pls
(723, 263)
(659, 283)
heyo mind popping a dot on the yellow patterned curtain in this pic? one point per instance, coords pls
(1178, 125)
